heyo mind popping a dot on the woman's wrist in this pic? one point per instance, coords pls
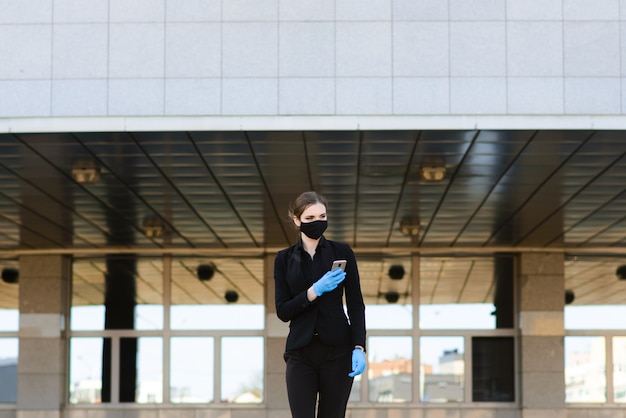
(310, 294)
(359, 347)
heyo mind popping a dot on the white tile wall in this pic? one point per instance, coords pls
(364, 96)
(591, 49)
(250, 96)
(534, 9)
(592, 95)
(363, 49)
(478, 95)
(138, 97)
(306, 49)
(79, 97)
(421, 49)
(19, 11)
(79, 11)
(250, 49)
(535, 95)
(421, 96)
(311, 57)
(479, 10)
(477, 49)
(136, 50)
(80, 51)
(193, 50)
(26, 51)
(193, 96)
(193, 10)
(363, 10)
(534, 49)
(306, 96)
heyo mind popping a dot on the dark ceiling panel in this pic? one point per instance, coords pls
(230, 191)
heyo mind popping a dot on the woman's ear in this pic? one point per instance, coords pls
(296, 221)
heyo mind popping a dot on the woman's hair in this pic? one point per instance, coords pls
(303, 201)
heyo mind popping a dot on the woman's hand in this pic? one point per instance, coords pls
(329, 281)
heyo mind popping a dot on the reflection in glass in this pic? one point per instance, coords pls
(390, 369)
(85, 370)
(378, 316)
(442, 369)
(493, 369)
(466, 293)
(595, 317)
(242, 369)
(585, 369)
(149, 370)
(619, 369)
(8, 370)
(131, 288)
(217, 317)
(9, 319)
(191, 369)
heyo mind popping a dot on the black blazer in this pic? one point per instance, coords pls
(325, 315)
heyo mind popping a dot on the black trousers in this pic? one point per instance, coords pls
(319, 370)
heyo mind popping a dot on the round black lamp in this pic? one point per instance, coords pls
(10, 275)
(621, 272)
(392, 296)
(231, 296)
(205, 271)
(396, 272)
(569, 296)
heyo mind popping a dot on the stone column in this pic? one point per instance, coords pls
(44, 305)
(541, 303)
(275, 338)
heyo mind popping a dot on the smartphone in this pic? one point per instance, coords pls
(339, 264)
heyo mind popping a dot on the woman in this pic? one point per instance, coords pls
(324, 349)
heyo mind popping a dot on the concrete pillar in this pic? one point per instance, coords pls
(44, 304)
(541, 303)
(275, 338)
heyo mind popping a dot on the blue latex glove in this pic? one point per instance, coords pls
(358, 362)
(329, 281)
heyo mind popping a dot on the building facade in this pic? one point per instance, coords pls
(112, 326)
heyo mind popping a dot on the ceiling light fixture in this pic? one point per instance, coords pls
(392, 296)
(621, 272)
(10, 275)
(152, 226)
(206, 271)
(86, 172)
(396, 272)
(433, 172)
(569, 296)
(409, 226)
(231, 296)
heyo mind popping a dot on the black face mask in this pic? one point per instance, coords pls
(314, 229)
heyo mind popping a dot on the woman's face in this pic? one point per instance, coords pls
(315, 212)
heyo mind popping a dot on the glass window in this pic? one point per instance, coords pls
(206, 297)
(493, 369)
(442, 369)
(191, 369)
(393, 300)
(466, 293)
(8, 370)
(619, 369)
(86, 370)
(588, 317)
(585, 369)
(117, 292)
(390, 369)
(9, 319)
(149, 369)
(242, 369)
